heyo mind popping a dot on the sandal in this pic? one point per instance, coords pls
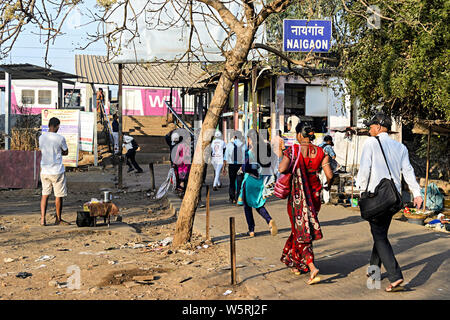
(314, 278)
(396, 288)
(273, 228)
(296, 271)
(65, 223)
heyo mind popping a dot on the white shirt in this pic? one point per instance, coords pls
(229, 152)
(397, 158)
(127, 142)
(51, 145)
(217, 147)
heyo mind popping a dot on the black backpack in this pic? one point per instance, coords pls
(134, 144)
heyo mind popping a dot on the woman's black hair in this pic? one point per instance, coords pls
(306, 130)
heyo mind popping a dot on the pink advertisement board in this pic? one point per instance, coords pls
(150, 102)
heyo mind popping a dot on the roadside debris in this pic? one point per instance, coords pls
(188, 252)
(166, 241)
(8, 260)
(23, 275)
(187, 279)
(227, 292)
(44, 258)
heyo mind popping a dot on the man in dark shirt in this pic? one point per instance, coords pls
(115, 133)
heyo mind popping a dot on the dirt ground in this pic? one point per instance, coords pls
(125, 263)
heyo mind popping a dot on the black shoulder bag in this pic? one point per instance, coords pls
(385, 200)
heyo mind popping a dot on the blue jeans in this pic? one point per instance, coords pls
(249, 214)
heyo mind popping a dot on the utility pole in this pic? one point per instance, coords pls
(120, 175)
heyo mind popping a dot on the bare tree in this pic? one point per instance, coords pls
(117, 26)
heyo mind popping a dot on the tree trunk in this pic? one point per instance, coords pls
(233, 65)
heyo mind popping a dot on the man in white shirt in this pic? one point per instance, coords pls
(234, 158)
(53, 147)
(217, 151)
(131, 146)
(372, 169)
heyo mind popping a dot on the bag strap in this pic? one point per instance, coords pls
(378, 139)
(298, 157)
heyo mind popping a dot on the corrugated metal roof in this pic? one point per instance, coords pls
(96, 69)
(31, 71)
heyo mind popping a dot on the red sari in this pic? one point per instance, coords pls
(303, 206)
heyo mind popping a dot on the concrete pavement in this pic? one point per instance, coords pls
(342, 255)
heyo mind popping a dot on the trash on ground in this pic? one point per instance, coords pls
(144, 278)
(227, 292)
(7, 260)
(113, 262)
(166, 241)
(64, 250)
(205, 246)
(188, 252)
(92, 253)
(187, 279)
(45, 258)
(23, 275)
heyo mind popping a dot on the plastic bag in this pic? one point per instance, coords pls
(435, 199)
(170, 180)
(269, 186)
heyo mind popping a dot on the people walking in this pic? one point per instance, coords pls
(115, 133)
(131, 146)
(373, 168)
(327, 146)
(234, 158)
(304, 201)
(217, 158)
(252, 189)
(53, 147)
(182, 162)
(278, 146)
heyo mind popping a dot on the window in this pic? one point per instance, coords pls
(27, 96)
(45, 97)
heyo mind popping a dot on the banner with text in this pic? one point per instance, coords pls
(306, 35)
(69, 128)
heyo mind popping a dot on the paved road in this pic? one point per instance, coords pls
(342, 255)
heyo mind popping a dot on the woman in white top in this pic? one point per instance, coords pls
(217, 151)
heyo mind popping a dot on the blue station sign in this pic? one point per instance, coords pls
(306, 35)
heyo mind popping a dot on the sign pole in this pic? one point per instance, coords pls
(207, 212)
(233, 251)
(120, 173)
(7, 111)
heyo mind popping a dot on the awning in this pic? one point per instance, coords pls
(96, 69)
(30, 71)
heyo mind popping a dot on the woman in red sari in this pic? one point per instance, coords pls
(304, 201)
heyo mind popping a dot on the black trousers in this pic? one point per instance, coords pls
(131, 159)
(234, 177)
(382, 252)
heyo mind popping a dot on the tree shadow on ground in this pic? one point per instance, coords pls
(244, 235)
(340, 264)
(341, 222)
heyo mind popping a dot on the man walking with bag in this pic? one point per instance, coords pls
(374, 166)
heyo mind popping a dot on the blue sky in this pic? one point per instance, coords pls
(29, 48)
